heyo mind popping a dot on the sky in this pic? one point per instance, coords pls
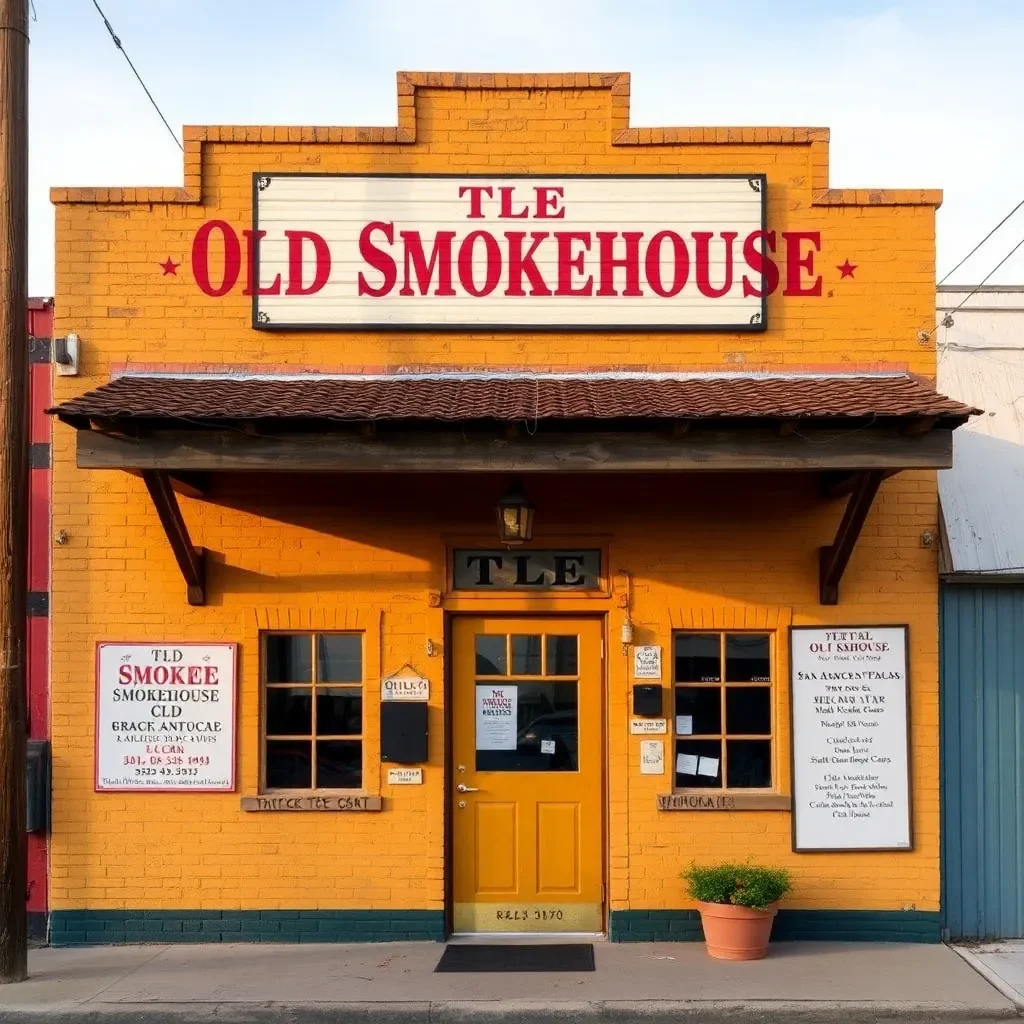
(921, 94)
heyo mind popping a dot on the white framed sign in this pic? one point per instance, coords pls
(165, 716)
(648, 726)
(849, 687)
(652, 757)
(405, 684)
(395, 251)
(647, 661)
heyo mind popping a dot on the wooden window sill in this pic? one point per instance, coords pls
(312, 802)
(729, 800)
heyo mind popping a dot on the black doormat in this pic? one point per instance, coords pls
(472, 958)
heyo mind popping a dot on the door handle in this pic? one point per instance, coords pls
(463, 788)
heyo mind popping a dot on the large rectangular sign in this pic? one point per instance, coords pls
(165, 716)
(851, 760)
(466, 252)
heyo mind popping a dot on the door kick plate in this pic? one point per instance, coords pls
(528, 917)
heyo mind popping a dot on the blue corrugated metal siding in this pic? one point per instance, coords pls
(982, 669)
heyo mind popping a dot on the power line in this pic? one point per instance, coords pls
(117, 43)
(947, 320)
(982, 242)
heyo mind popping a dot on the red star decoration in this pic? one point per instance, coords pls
(846, 269)
(170, 267)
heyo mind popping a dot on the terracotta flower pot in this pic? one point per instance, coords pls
(736, 933)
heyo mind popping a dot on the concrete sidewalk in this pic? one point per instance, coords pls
(377, 984)
(1002, 964)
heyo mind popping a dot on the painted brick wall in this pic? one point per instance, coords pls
(364, 554)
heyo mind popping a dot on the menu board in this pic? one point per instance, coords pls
(851, 760)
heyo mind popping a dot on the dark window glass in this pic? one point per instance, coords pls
(289, 712)
(698, 658)
(750, 764)
(699, 764)
(747, 659)
(289, 659)
(547, 731)
(339, 658)
(339, 712)
(288, 764)
(563, 659)
(339, 764)
(748, 710)
(490, 656)
(702, 706)
(526, 655)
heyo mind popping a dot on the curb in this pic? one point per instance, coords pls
(994, 979)
(510, 1012)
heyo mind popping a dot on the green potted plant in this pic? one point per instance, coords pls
(737, 904)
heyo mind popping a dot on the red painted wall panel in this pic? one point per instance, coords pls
(40, 325)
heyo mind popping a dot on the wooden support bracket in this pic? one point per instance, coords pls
(834, 558)
(839, 484)
(191, 560)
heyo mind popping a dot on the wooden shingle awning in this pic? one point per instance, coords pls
(853, 429)
(625, 422)
(448, 397)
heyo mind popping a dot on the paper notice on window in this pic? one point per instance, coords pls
(497, 715)
(686, 764)
(708, 766)
(684, 725)
(547, 746)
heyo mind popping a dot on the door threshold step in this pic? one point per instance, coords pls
(519, 938)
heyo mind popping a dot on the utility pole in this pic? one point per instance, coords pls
(13, 482)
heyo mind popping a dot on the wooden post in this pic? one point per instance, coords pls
(13, 482)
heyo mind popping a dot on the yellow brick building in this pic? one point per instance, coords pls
(310, 473)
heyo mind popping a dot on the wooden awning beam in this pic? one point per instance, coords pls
(707, 449)
(191, 560)
(834, 558)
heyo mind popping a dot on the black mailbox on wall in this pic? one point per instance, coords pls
(647, 700)
(37, 786)
(403, 731)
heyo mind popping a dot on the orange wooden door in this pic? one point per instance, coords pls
(527, 775)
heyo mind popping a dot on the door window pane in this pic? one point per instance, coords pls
(339, 764)
(750, 764)
(289, 712)
(288, 764)
(699, 764)
(339, 712)
(526, 655)
(339, 658)
(289, 659)
(490, 656)
(747, 658)
(748, 710)
(563, 657)
(700, 708)
(698, 658)
(546, 731)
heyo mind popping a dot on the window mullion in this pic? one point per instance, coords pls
(314, 677)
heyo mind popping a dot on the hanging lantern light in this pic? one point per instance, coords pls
(515, 516)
